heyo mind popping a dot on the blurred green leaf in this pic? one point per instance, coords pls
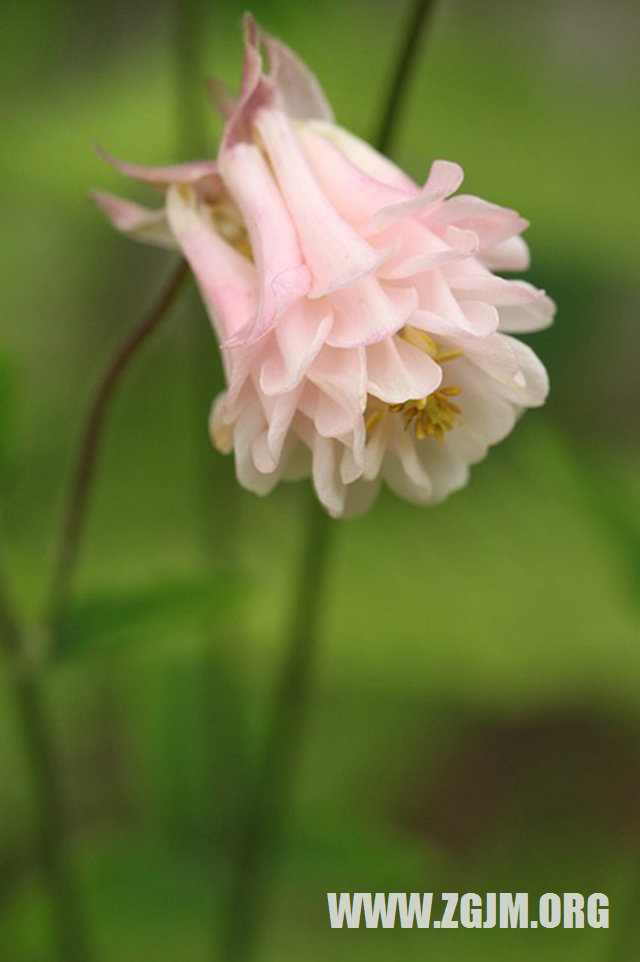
(107, 623)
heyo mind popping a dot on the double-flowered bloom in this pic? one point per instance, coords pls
(364, 333)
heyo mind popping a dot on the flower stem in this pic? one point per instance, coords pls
(419, 15)
(69, 921)
(268, 802)
(69, 543)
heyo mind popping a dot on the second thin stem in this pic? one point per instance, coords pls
(267, 804)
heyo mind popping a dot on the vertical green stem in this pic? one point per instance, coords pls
(418, 17)
(72, 942)
(268, 803)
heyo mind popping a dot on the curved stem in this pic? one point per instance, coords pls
(401, 74)
(68, 917)
(268, 802)
(69, 542)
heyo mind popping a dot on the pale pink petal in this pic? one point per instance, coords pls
(375, 449)
(367, 311)
(448, 469)
(335, 254)
(148, 226)
(511, 254)
(353, 456)
(440, 312)
(398, 480)
(298, 337)
(519, 375)
(365, 157)
(226, 279)
(330, 417)
(533, 315)
(490, 222)
(162, 177)
(398, 371)
(444, 179)
(420, 250)
(257, 90)
(284, 279)
(247, 429)
(356, 195)
(342, 376)
(281, 417)
(298, 92)
(325, 474)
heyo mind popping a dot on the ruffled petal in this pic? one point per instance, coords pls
(296, 341)
(444, 178)
(397, 371)
(367, 311)
(492, 223)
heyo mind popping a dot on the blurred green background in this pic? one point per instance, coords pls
(475, 724)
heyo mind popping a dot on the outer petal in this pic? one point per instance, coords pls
(283, 277)
(298, 92)
(532, 315)
(226, 279)
(148, 226)
(162, 177)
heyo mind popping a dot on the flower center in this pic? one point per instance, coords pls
(431, 416)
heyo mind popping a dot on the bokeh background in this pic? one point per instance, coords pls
(475, 723)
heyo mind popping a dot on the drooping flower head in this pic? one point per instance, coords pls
(364, 333)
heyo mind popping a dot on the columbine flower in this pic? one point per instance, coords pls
(363, 331)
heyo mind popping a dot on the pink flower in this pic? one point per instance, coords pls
(364, 333)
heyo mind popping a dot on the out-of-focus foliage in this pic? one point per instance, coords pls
(475, 725)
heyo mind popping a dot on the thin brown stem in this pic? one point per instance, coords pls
(72, 941)
(401, 74)
(84, 474)
(70, 937)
